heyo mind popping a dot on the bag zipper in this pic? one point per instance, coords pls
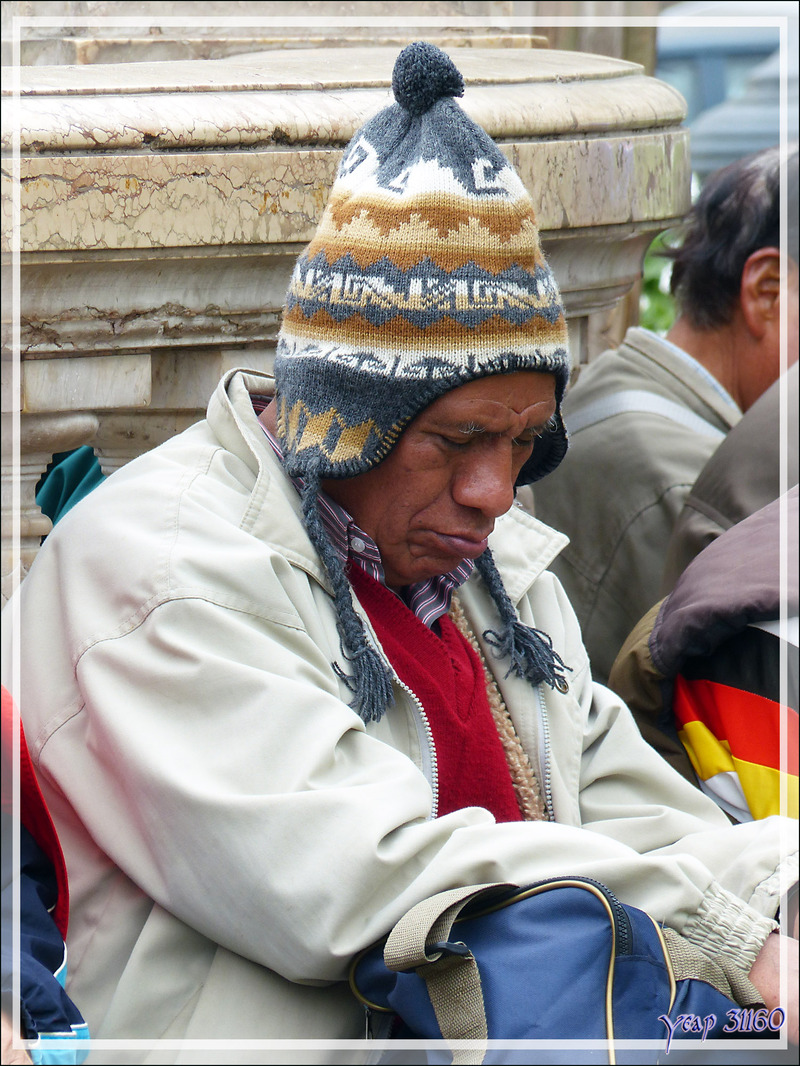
(621, 925)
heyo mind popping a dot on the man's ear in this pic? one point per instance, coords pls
(759, 291)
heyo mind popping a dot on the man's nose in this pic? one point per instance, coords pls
(485, 479)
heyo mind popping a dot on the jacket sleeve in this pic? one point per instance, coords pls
(242, 794)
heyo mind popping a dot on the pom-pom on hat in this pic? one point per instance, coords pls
(425, 272)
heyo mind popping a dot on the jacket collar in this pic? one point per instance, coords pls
(689, 378)
(523, 547)
(274, 514)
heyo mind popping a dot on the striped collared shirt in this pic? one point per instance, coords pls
(429, 600)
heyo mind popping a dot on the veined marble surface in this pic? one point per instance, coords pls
(194, 154)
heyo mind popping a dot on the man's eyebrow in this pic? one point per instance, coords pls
(472, 428)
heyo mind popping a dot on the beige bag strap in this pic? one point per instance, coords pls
(453, 981)
(716, 970)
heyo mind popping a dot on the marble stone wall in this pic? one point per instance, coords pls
(153, 212)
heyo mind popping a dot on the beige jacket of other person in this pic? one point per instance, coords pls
(624, 480)
(233, 831)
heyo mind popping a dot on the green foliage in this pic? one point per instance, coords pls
(656, 305)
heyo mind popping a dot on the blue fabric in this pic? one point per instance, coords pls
(44, 1054)
(46, 1011)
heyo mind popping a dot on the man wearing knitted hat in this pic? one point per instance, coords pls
(303, 669)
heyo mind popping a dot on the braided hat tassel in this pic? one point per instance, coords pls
(370, 681)
(531, 651)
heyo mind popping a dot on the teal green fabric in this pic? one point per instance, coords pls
(69, 477)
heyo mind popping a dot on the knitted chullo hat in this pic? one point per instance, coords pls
(425, 273)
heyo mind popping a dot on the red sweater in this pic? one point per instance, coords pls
(448, 679)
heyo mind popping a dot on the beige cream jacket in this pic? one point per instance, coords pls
(233, 831)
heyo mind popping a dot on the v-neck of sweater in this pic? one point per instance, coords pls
(447, 677)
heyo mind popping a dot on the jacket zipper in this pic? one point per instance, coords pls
(421, 719)
(424, 721)
(544, 754)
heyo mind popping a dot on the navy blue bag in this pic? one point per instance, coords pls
(559, 960)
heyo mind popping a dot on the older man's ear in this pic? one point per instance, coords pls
(760, 291)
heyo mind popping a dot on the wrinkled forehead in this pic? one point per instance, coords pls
(523, 396)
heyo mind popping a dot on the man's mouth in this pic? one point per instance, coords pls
(464, 546)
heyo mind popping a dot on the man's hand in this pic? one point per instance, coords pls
(11, 1055)
(765, 975)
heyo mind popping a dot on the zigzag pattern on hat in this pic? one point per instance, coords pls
(325, 430)
(423, 294)
(448, 232)
(426, 362)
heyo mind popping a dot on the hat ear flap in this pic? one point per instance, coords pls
(548, 451)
